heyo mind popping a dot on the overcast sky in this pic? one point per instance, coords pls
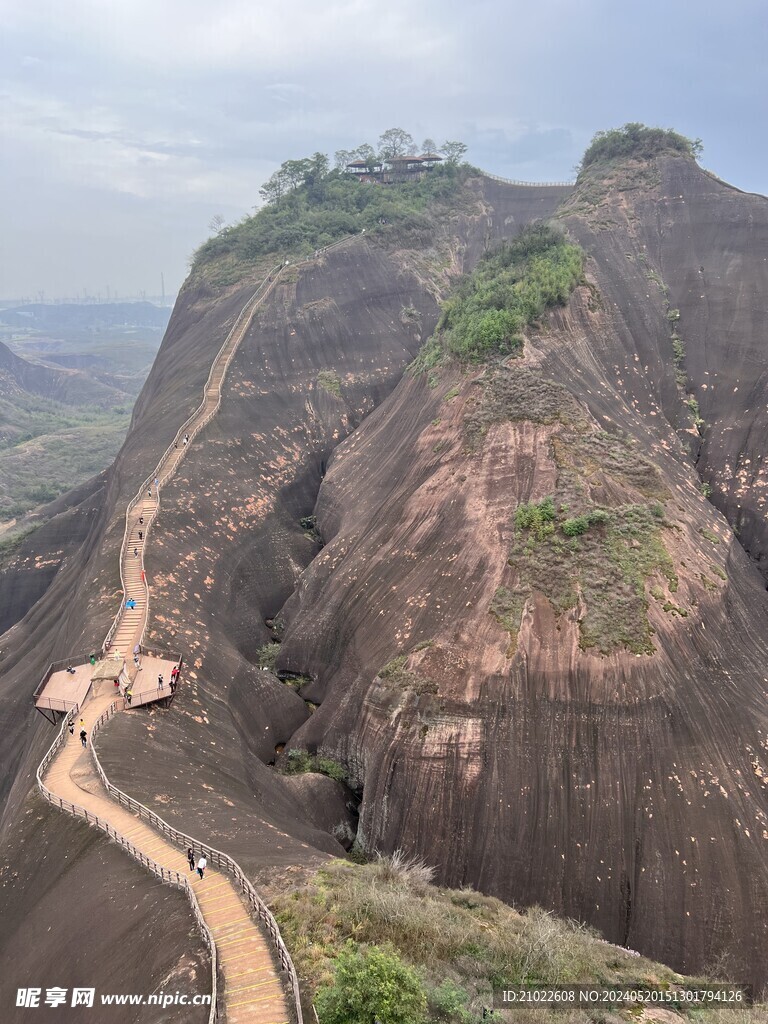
(127, 124)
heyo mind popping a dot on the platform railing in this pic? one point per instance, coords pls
(167, 875)
(215, 857)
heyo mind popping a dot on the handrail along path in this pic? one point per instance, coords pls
(253, 992)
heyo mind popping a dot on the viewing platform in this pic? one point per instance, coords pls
(71, 683)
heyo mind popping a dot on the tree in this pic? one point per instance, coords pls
(217, 223)
(296, 172)
(342, 157)
(428, 146)
(318, 167)
(367, 153)
(273, 190)
(372, 985)
(395, 142)
(453, 151)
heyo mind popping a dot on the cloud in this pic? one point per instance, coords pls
(186, 107)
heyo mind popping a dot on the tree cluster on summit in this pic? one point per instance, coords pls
(392, 143)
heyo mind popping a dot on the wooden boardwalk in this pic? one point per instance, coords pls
(254, 993)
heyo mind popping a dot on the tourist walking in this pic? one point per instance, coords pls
(135, 552)
(160, 683)
(141, 535)
(84, 737)
(71, 728)
(191, 858)
(202, 864)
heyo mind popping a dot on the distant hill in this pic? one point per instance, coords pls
(76, 316)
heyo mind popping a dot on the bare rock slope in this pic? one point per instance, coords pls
(580, 723)
(226, 552)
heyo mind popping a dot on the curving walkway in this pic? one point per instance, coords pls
(253, 990)
(72, 778)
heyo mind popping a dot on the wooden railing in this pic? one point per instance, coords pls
(187, 427)
(165, 874)
(192, 428)
(215, 858)
(528, 184)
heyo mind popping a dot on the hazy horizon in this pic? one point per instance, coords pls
(127, 127)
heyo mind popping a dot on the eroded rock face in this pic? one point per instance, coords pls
(326, 349)
(228, 547)
(584, 729)
(499, 719)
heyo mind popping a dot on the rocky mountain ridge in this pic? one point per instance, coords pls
(476, 724)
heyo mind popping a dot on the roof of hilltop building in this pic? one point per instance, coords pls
(392, 168)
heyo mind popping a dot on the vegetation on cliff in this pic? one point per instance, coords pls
(509, 290)
(309, 205)
(380, 940)
(605, 556)
(638, 141)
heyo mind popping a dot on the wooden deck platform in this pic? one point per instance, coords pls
(60, 691)
(144, 685)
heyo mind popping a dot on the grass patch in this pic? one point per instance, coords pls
(508, 392)
(396, 674)
(609, 561)
(510, 289)
(708, 535)
(507, 608)
(569, 545)
(459, 942)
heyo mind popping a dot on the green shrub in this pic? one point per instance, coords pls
(331, 768)
(298, 761)
(575, 526)
(598, 516)
(449, 1002)
(538, 518)
(639, 141)
(267, 654)
(508, 290)
(330, 382)
(372, 983)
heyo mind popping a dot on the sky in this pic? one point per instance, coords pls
(127, 125)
